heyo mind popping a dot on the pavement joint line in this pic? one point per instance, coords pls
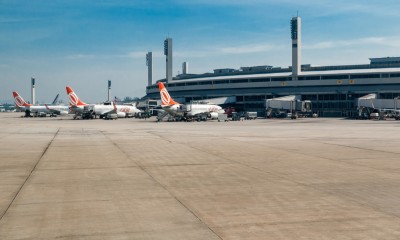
(160, 136)
(87, 168)
(349, 198)
(6, 134)
(184, 165)
(344, 161)
(308, 221)
(112, 234)
(349, 161)
(373, 150)
(285, 178)
(64, 202)
(125, 167)
(164, 187)
(30, 174)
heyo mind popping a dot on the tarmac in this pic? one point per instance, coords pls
(259, 179)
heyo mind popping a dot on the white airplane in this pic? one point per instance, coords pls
(77, 106)
(188, 111)
(37, 110)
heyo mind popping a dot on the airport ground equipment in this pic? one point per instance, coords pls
(250, 115)
(223, 117)
(162, 114)
(145, 114)
(237, 116)
(371, 107)
(288, 107)
(88, 112)
(40, 114)
(27, 113)
(111, 116)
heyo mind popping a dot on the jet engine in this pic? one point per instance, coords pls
(213, 115)
(64, 113)
(121, 114)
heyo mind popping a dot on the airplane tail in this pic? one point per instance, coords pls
(19, 101)
(73, 98)
(166, 99)
(55, 100)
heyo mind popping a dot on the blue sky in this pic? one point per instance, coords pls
(85, 43)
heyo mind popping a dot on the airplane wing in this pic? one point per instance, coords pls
(55, 111)
(114, 110)
(75, 109)
(202, 114)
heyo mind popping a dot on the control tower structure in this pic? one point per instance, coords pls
(168, 54)
(295, 27)
(149, 63)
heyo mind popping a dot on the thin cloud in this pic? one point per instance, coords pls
(80, 56)
(327, 7)
(17, 20)
(141, 55)
(131, 55)
(222, 2)
(244, 49)
(218, 51)
(371, 41)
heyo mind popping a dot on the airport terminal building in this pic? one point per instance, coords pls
(332, 89)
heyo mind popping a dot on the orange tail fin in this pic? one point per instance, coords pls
(19, 101)
(73, 98)
(166, 99)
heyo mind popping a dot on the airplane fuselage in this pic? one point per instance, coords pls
(42, 109)
(195, 109)
(102, 109)
(192, 110)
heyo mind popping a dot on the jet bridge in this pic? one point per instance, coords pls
(371, 107)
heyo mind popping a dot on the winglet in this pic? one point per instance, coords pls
(73, 98)
(19, 101)
(166, 99)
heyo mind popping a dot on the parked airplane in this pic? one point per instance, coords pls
(38, 110)
(77, 107)
(186, 111)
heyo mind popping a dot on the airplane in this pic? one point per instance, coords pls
(77, 107)
(39, 110)
(198, 111)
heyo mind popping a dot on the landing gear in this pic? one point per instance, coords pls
(28, 113)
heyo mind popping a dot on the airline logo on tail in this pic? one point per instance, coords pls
(73, 98)
(166, 99)
(19, 101)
